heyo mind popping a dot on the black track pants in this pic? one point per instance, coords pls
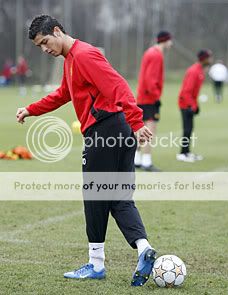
(187, 123)
(111, 159)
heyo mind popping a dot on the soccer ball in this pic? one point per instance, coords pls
(169, 271)
(76, 127)
(203, 98)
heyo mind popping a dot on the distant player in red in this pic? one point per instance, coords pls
(22, 71)
(188, 101)
(106, 108)
(7, 72)
(151, 78)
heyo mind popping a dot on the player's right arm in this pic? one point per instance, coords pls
(47, 104)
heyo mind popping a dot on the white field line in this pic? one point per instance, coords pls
(10, 236)
(22, 261)
(8, 239)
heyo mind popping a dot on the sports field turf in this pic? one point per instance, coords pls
(210, 129)
(39, 241)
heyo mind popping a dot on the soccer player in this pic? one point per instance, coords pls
(7, 72)
(150, 87)
(188, 102)
(105, 106)
(22, 71)
(219, 74)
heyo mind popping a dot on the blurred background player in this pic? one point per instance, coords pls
(7, 72)
(219, 74)
(22, 71)
(151, 78)
(188, 104)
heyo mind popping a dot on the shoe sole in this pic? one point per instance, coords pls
(150, 169)
(188, 161)
(85, 278)
(138, 166)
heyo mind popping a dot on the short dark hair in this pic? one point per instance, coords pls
(204, 54)
(43, 24)
(163, 36)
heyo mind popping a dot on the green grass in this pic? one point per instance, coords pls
(210, 129)
(37, 247)
(39, 241)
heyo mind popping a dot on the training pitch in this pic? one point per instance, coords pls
(39, 241)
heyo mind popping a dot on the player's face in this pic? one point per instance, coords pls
(208, 62)
(51, 44)
(168, 44)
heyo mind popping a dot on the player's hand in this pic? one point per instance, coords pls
(21, 114)
(197, 111)
(158, 103)
(143, 134)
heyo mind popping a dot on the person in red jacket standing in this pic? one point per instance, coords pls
(22, 71)
(106, 108)
(151, 78)
(7, 71)
(188, 102)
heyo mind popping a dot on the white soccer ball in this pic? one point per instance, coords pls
(203, 98)
(169, 271)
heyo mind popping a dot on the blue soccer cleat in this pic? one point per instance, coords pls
(144, 267)
(85, 272)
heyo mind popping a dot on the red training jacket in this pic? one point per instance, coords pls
(22, 67)
(151, 76)
(95, 88)
(191, 85)
(7, 71)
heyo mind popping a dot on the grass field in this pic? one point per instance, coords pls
(210, 128)
(39, 241)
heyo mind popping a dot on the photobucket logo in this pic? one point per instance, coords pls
(171, 140)
(110, 141)
(166, 141)
(37, 136)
